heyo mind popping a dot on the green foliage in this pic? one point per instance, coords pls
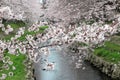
(1, 64)
(89, 22)
(15, 25)
(110, 51)
(82, 44)
(73, 35)
(112, 46)
(43, 27)
(8, 37)
(41, 30)
(108, 22)
(118, 34)
(19, 73)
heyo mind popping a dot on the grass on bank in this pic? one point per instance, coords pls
(19, 73)
(110, 51)
(41, 30)
(15, 25)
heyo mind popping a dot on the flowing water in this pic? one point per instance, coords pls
(64, 70)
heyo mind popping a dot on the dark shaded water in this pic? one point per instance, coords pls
(64, 70)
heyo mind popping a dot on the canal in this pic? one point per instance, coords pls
(65, 70)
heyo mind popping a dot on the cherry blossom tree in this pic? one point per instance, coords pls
(37, 45)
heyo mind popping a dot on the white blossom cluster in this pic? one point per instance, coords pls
(8, 29)
(7, 64)
(3, 76)
(37, 45)
(7, 13)
(55, 36)
(94, 33)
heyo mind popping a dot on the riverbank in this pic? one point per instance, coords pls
(16, 66)
(107, 57)
(12, 66)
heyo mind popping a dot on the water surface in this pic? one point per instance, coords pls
(64, 70)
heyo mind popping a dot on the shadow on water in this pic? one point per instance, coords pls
(64, 70)
(102, 75)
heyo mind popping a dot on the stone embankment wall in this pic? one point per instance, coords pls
(112, 70)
